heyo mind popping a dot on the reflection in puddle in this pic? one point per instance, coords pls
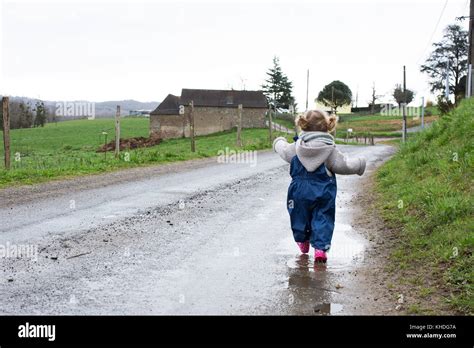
(327, 308)
(310, 287)
(306, 264)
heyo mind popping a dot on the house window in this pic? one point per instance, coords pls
(229, 100)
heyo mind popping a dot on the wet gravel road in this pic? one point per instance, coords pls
(189, 238)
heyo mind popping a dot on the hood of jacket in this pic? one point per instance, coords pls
(314, 148)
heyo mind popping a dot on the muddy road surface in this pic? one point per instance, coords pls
(190, 238)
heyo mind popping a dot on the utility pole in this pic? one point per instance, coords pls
(422, 112)
(404, 105)
(469, 81)
(307, 88)
(332, 98)
(471, 47)
(470, 51)
(373, 99)
(446, 90)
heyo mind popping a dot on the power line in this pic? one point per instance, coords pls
(462, 10)
(434, 32)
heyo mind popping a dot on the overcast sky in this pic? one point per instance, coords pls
(112, 50)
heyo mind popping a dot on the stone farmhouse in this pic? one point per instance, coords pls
(214, 111)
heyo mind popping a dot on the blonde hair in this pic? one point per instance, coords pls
(317, 121)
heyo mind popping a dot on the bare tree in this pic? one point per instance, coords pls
(375, 97)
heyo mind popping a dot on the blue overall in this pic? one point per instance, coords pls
(312, 204)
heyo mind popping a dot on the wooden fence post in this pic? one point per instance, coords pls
(293, 113)
(6, 131)
(270, 124)
(117, 132)
(191, 126)
(239, 125)
(105, 145)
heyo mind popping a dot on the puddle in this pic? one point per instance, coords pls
(347, 250)
(302, 263)
(327, 308)
(312, 289)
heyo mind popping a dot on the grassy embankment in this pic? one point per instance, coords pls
(426, 195)
(69, 149)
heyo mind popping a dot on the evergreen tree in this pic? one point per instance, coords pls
(40, 118)
(278, 88)
(453, 48)
(26, 116)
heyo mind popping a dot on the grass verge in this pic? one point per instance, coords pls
(425, 193)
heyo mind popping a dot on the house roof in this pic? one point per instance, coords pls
(169, 106)
(223, 98)
(211, 98)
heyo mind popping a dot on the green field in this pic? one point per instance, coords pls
(69, 148)
(426, 195)
(377, 125)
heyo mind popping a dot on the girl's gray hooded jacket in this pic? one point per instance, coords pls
(316, 148)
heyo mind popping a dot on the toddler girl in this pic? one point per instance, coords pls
(314, 161)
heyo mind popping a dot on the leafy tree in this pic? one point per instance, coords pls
(374, 99)
(453, 48)
(26, 115)
(17, 111)
(278, 88)
(335, 94)
(399, 95)
(21, 115)
(40, 118)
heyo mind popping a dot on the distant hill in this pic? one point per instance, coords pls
(102, 109)
(108, 108)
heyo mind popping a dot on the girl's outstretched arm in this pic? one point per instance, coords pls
(285, 150)
(338, 163)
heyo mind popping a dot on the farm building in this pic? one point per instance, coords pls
(214, 111)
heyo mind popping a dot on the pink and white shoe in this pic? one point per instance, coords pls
(304, 247)
(320, 256)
